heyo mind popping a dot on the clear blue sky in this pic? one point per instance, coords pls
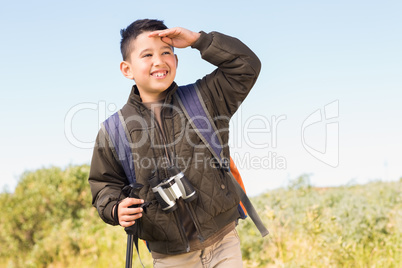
(59, 56)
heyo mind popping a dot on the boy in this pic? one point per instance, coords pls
(200, 233)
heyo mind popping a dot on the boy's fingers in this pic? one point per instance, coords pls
(168, 41)
(131, 201)
(158, 33)
(126, 223)
(152, 34)
(132, 211)
(135, 201)
(127, 218)
(164, 32)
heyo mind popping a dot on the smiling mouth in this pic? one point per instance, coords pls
(159, 74)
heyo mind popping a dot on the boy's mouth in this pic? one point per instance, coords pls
(159, 74)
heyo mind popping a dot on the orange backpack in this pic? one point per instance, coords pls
(237, 176)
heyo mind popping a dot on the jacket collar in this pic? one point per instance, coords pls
(135, 99)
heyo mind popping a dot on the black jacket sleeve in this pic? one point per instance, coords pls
(238, 69)
(106, 178)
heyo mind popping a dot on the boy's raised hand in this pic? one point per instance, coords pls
(177, 37)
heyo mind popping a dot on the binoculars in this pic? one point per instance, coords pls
(171, 189)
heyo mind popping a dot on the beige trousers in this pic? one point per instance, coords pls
(222, 254)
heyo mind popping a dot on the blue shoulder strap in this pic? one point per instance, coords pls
(121, 145)
(194, 108)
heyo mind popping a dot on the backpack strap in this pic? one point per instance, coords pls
(120, 140)
(192, 104)
(236, 174)
(201, 121)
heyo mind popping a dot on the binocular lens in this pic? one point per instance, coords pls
(171, 189)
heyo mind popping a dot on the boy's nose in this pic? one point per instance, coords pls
(158, 60)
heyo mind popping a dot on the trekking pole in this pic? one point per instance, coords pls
(129, 251)
(131, 191)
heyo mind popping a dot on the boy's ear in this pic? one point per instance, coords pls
(126, 70)
(177, 60)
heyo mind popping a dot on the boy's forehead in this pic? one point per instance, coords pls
(143, 42)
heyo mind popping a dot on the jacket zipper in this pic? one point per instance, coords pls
(188, 206)
(163, 138)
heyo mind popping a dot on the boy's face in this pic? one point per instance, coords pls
(152, 65)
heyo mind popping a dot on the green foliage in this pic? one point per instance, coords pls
(42, 199)
(49, 222)
(356, 226)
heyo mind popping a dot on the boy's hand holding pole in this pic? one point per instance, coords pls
(128, 215)
(177, 37)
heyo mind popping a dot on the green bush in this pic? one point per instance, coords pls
(49, 222)
(356, 226)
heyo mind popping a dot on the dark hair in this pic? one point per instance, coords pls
(133, 30)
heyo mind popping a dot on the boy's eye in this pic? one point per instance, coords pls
(147, 55)
(166, 53)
